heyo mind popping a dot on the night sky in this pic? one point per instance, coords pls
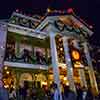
(88, 10)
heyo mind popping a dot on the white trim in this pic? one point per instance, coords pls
(26, 31)
(25, 65)
(26, 17)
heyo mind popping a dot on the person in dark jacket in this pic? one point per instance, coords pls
(4, 95)
(89, 95)
(69, 94)
(79, 92)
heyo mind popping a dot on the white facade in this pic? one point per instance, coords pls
(68, 27)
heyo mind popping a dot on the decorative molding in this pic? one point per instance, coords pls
(23, 65)
(26, 31)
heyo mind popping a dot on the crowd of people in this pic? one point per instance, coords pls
(47, 93)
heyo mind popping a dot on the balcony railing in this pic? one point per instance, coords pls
(25, 65)
(27, 57)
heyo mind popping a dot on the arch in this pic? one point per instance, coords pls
(25, 77)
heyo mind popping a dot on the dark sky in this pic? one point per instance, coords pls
(89, 10)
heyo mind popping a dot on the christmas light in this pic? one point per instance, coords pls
(48, 10)
(5, 67)
(7, 72)
(61, 49)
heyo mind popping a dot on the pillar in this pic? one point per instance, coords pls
(80, 70)
(70, 76)
(3, 36)
(17, 47)
(82, 77)
(91, 71)
(55, 61)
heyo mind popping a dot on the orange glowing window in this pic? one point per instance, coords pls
(75, 55)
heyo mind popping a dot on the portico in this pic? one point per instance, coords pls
(68, 38)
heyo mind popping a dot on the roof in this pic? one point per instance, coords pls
(39, 24)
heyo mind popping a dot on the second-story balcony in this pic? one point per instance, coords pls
(26, 59)
(25, 65)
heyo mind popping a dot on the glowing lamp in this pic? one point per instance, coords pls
(48, 10)
(65, 78)
(70, 10)
(67, 83)
(75, 55)
(5, 67)
(44, 83)
(61, 49)
(7, 72)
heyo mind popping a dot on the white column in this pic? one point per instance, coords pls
(80, 70)
(3, 35)
(70, 76)
(82, 78)
(91, 71)
(17, 48)
(55, 61)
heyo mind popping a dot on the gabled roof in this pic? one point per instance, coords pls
(79, 23)
(38, 24)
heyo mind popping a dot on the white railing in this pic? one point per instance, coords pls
(25, 65)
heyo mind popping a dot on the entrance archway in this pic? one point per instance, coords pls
(25, 77)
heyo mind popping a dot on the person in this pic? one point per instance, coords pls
(7, 55)
(51, 91)
(13, 56)
(98, 97)
(22, 92)
(12, 94)
(69, 94)
(4, 95)
(33, 93)
(56, 95)
(79, 92)
(89, 95)
(28, 95)
(38, 57)
(84, 93)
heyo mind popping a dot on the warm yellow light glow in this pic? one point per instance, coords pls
(61, 49)
(65, 78)
(44, 83)
(6, 86)
(48, 10)
(5, 67)
(67, 83)
(75, 55)
(7, 72)
(78, 64)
